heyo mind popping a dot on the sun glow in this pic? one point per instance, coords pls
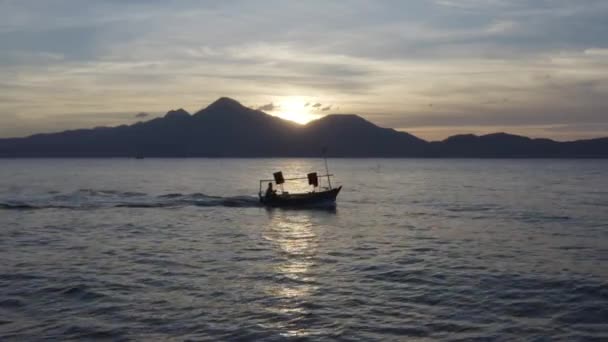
(295, 109)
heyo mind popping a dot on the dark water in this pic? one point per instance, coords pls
(416, 250)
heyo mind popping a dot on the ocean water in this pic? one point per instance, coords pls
(179, 249)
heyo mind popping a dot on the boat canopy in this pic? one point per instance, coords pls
(312, 178)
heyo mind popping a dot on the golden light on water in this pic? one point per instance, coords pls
(296, 245)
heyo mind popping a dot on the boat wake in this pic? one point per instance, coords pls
(97, 199)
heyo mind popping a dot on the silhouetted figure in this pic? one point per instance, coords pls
(270, 192)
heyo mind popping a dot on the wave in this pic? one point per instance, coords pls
(97, 199)
(16, 206)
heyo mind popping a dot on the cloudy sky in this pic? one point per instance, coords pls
(429, 67)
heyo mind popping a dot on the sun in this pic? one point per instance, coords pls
(295, 109)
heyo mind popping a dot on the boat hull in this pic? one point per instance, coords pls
(311, 199)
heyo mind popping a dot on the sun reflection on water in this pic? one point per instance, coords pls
(296, 246)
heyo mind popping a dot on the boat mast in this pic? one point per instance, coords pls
(326, 168)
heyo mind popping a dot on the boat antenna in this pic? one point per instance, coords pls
(324, 151)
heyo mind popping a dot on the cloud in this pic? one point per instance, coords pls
(142, 115)
(387, 60)
(268, 107)
(325, 109)
(307, 104)
(14, 125)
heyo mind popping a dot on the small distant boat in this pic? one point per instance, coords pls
(326, 197)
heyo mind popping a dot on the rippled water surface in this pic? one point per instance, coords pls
(179, 249)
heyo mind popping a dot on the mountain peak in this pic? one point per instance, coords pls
(341, 119)
(228, 112)
(225, 103)
(344, 117)
(460, 138)
(179, 113)
(501, 136)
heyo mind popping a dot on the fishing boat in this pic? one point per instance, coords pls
(318, 197)
(274, 198)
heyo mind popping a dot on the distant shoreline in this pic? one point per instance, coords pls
(318, 157)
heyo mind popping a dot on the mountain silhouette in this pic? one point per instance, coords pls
(226, 128)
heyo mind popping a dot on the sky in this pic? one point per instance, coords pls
(433, 68)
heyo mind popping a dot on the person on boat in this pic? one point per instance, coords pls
(270, 192)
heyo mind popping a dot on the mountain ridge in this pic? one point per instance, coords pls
(226, 128)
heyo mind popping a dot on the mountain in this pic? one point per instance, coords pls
(353, 136)
(226, 128)
(503, 145)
